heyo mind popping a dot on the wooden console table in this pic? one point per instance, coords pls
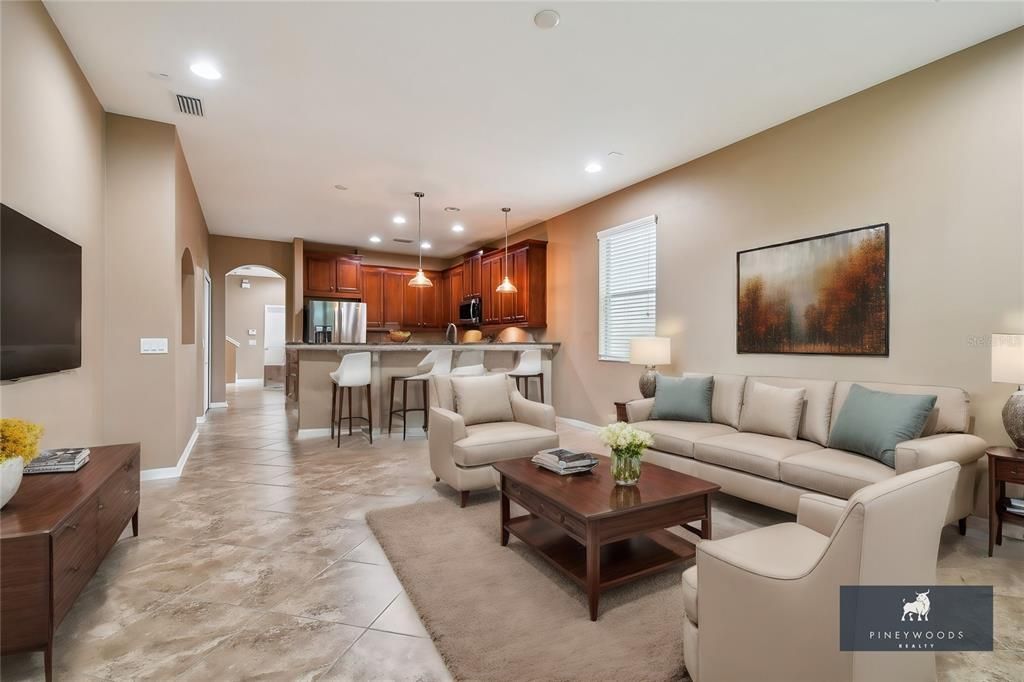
(54, 533)
(1005, 465)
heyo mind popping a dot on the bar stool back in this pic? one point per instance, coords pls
(353, 371)
(528, 367)
(435, 362)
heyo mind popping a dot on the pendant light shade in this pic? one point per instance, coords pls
(506, 286)
(420, 280)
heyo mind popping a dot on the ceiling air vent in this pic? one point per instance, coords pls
(403, 241)
(190, 105)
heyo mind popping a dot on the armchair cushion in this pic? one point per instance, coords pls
(497, 441)
(820, 513)
(482, 399)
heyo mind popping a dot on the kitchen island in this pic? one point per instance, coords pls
(312, 364)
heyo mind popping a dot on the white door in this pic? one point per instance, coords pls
(207, 341)
(273, 335)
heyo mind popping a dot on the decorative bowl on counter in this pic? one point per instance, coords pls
(399, 335)
(472, 336)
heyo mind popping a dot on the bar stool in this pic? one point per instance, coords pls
(528, 367)
(353, 371)
(469, 362)
(435, 362)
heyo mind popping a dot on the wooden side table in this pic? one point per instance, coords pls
(1005, 465)
(620, 412)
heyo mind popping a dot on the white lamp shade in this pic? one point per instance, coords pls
(650, 350)
(1008, 358)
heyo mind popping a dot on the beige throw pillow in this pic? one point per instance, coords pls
(773, 411)
(482, 399)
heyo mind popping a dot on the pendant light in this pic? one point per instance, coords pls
(506, 286)
(420, 280)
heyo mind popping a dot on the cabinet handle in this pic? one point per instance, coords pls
(101, 506)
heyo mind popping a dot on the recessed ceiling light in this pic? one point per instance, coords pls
(425, 245)
(205, 70)
(593, 167)
(398, 220)
(457, 228)
(375, 239)
(546, 19)
(615, 155)
(452, 209)
(341, 187)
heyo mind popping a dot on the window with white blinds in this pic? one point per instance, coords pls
(628, 286)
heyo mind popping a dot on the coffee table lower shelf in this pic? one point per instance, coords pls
(621, 561)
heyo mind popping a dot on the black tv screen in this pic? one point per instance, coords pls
(40, 298)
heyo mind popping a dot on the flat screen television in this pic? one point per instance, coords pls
(40, 298)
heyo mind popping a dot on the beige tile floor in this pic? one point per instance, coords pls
(257, 562)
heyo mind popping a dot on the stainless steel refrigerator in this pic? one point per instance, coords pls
(335, 322)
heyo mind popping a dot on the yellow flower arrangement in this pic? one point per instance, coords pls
(19, 438)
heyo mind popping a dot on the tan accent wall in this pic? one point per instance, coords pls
(244, 309)
(937, 153)
(52, 142)
(226, 254)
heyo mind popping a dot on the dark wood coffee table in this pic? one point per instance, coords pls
(597, 533)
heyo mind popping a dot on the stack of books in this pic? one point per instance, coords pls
(63, 460)
(565, 462)
(1015, 505)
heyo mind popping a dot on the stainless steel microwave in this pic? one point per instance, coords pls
(469, 311)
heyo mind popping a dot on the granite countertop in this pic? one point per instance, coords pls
(534, 345)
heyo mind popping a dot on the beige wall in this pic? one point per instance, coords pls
(937, 153)
(52, 171)
(244, 310)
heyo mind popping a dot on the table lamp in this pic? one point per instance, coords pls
(649, 351)
(1008, 368)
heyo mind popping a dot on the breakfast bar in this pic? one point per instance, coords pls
(312, 364)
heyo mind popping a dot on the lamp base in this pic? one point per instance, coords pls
(648, 382)
(1013, 418)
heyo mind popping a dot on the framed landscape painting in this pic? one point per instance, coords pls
(822, 295)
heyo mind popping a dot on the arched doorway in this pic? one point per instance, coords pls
(255, 326)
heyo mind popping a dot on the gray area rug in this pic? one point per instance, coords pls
(501, 613)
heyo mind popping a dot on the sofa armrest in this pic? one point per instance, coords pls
(446, 427)
(962, 448)
(820, 513)
(531, 412)
(639, 410)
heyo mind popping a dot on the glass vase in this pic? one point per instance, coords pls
(625, 469)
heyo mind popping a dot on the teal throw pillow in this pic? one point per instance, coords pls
(686, 399)
(872, 423)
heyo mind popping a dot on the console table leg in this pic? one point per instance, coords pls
(135, 523)
(593, 572)
(505, 513)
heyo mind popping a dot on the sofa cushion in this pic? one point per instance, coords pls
(754, 453)
(833, 472)
(683, 398)
(496, 441)
(817, 412)
(950, 414)
(873, 423)
(726, 398)
(678, 438)
(482, 399)
(690, 593)
(773, 410)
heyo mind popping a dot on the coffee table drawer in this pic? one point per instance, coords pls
(545, 508)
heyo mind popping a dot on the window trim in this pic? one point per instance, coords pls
(603, 234)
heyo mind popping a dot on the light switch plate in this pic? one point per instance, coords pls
(252, 332)
(252, 342)
(152, 346)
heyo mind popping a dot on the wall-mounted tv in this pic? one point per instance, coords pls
(40, 298)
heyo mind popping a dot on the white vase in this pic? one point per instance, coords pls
(10, 478)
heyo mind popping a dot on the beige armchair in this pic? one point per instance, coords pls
(461, 454)
(765, 606)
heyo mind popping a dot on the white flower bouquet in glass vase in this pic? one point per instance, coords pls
(627, 445)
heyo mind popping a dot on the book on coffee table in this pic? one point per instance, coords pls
(564, 461)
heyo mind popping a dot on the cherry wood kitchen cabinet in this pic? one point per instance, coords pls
(329, 275)
(527, 268)
(420, 306)
(373, 296)
(347, 275)
(456, 290)
(320, 273)
(395, 282)
(472, 283)
(491, 274)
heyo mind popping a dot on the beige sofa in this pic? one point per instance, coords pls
(777, 471)
(887, 534)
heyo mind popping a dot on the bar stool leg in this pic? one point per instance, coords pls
(341, 404)
(391, 406)
(405, 406)
(369, 412)
(540, 378)
(349, 391)
(426, 405)
(334, 400)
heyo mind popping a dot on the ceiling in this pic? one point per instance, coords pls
(474, 105)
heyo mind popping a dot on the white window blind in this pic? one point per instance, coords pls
(628, 286)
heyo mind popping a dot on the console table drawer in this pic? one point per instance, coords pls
(74, 559)
(118, 500)
(1010, 470)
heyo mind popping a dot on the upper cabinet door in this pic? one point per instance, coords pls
(491, 272)
(347, 280)
(373, 296)
(394, 297)
(455, 287)
(472, 277)
(429, 298)
(320, 275)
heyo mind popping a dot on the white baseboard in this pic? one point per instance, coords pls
(201, 419)
(213, 405)
(175, 471)
(578, 423)
(248, 382)
(325, 431)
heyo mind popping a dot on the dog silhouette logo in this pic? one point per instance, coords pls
(919, 607)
